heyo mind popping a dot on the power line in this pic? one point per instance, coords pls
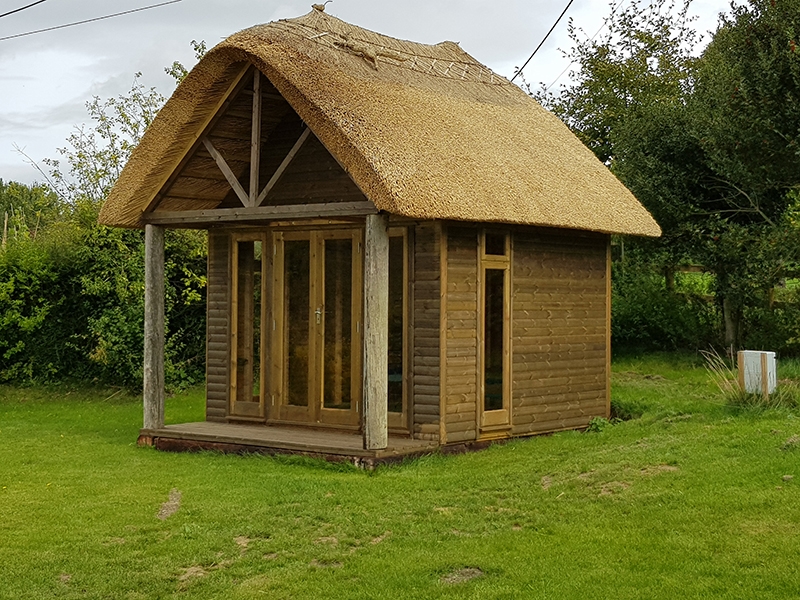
(21, 8)
(596, 33)
(119, 14)
(558, 20)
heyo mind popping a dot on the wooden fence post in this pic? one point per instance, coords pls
(376, 332)
(153, 327)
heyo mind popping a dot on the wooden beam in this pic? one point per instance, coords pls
(284, 165)
(213, 115)
(376, 332)
(153, 395)
(263, 213)
(255, 139)
(226, 170)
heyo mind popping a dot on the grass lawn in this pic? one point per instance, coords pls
(689, 501)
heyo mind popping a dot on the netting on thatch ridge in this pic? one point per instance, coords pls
(444, 60)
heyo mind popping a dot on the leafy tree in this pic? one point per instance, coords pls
(642, 59)
(707, 144)
(746, 109)
(96, 155)
(25, 210)
(177, 71)
(71, 290)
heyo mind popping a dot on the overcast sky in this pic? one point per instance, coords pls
(45, 79)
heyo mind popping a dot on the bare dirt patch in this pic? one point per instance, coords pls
(242, 542)
(445, 510)
(114, 541)
(194, 572)
(65, 578)
(461, 576)
(657, 470)
(333, 541)
(546, 482)
(614, 487)
(171, 506)
(793, 443)
(380, 538)
(326, 564)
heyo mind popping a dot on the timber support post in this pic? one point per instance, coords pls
(376, 332)
(153, 327)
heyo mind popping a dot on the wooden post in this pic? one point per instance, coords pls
(376, 332)
(255, 140)
(153, 327)
(740, 369)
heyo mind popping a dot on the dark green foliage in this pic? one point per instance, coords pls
(710, 146)
(71, 291)
(646, 316)
(71, 301)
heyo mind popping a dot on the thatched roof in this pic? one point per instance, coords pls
(424, 131)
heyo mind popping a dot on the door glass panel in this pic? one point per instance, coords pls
(494, 295)
(248, 317)
(338, 324)
(297, 259)
(396, 267)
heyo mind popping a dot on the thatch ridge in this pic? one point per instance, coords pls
(425, 131)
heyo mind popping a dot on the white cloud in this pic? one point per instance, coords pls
(45, 79)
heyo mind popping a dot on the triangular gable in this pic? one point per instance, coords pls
(294, 167)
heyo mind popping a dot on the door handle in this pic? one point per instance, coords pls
(318, 312)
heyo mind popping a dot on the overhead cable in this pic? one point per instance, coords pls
(21, 8)
(558, 20)
(119, 14)
(596, 33)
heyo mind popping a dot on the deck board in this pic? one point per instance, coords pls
(277, 439)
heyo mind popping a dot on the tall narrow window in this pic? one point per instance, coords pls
(247, 373)
(493, 338)
(495, 349)
(396, 321)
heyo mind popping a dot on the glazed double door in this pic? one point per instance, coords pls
(316, 341)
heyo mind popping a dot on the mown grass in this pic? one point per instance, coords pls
(687, 500)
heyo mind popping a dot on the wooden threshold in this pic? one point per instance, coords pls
(334, 445)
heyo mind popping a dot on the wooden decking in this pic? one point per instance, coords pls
(237, 438)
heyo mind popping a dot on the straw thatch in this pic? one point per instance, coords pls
(424, 131)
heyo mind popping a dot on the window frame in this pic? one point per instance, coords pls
(498, 419)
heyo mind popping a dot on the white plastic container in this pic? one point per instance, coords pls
(758, 372)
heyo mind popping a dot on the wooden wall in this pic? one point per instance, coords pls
(461, 326)
(559, 329)
(426, 302)
(218, 328)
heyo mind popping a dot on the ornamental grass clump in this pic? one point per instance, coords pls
(725, 376)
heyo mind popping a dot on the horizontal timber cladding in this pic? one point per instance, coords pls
(559, 329)
(217, 328)
(462, 328)
(426, 306)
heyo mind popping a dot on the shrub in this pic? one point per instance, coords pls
(71, 305)
(644, 315)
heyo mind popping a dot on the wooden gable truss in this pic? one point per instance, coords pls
(255, 136)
